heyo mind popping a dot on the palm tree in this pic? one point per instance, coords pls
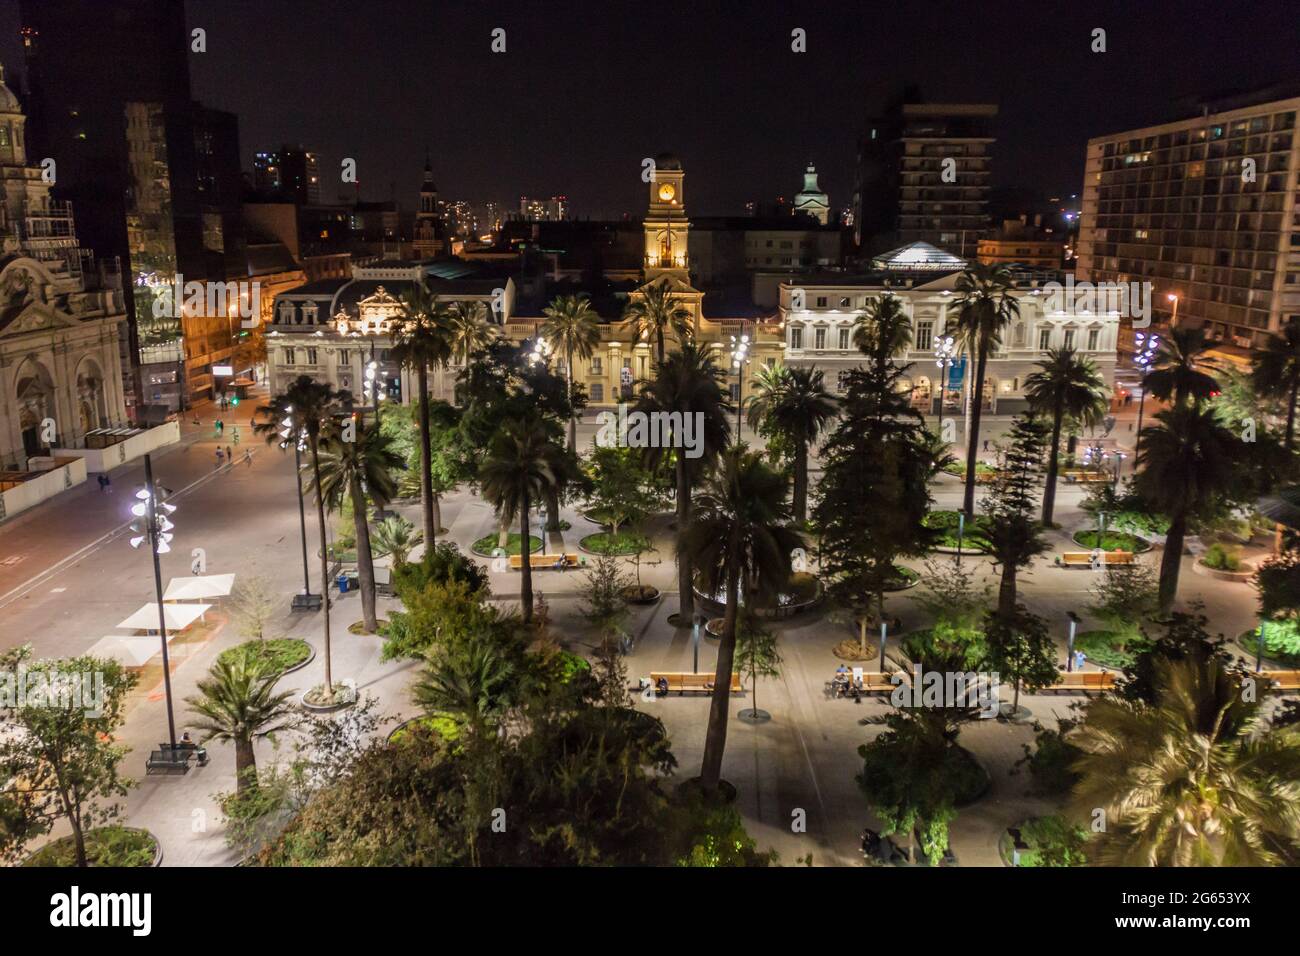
(656, 312)
(520, 467)
(423, 340)
(795, 403)
(311, 408)
(1067, 385)
(689, 383)
(572, 327)
(1195, 779)
(740, 537)
(1187, 463)
(395, 536)
(355, 471)
(984, 307)
(882, 330)
(472, 688)
(237, 702)
(1176, 371)
(1277, 371)
(469, 329)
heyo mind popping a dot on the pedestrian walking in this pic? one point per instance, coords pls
(100, 479)
(986, 444)
(220, 455)
(236, 434)
(108, 483)
(248, 457)
(230, 454)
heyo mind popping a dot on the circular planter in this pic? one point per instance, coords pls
(582, 546)
(850, 650)
(905, 582)
(1140, 545)
(640, 594)
(157, 848)
(1247, 644)
(311, 655)
(327, 708)
(487, 553)
(726, 790)
(1244, 575)
(357, 628)
(781, 611)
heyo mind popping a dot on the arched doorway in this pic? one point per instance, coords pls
(34, 398)
(91, 402)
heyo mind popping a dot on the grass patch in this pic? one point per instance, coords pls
(1281, 643)
(983, 472)
(274, 656)
(488, 543)
(625, 542)
(105, 846)
(974, 539)
(1108, 648)
(903, 577)
(437, 725)
(359, 627)
(1112, 541)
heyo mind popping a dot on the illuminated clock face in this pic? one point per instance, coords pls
(667, 192)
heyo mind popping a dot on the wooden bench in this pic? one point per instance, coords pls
(1082, 681)
(1282, 682)
(692, 683)
(167, 761)
(1084, 559)
(1085, 477)
(543, 562)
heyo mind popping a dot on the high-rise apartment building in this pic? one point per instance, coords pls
(1205, 209)
(290, 175)
(923, 176)
(554, 209)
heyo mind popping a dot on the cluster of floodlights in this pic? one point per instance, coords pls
(541, 351)
(372, 389)
(151, 511)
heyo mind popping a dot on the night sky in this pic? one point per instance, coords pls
(585, 90)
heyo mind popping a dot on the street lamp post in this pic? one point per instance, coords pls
(1145, 356)
(152, 509)
(1173, 319)
(306, 599)
(945, 351)
(739, 359)
(1259, 648)
(1119, 462)
(1069, 652)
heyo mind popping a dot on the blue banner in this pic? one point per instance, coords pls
(957, 374)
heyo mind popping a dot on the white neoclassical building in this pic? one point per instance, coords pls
(60, 314)
(818, 313)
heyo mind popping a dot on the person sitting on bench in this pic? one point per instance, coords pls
(661, 687)
(840, 683)
(561, 563)
(187, 743)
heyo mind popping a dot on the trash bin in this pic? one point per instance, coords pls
(343, 584)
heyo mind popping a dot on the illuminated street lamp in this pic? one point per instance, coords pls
(153, 525)
(739, 359)
(945, 353)
(1147, 346)
(306, 599)
(1173, 319)
(541, 351)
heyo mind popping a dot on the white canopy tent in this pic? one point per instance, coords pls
(129, 651)
(199, 588)
(179, 617)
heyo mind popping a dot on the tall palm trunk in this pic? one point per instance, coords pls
(245, 765)
(1053, 462)
(1172, 560)
(426, 461)
(715, 738)
(365, 561)
(1290, 414)
(685, 575)
(801, 482)
(552, 509)
(972, 450)
(659, 336)
(324, 564)
(573, 420)
(525, 563)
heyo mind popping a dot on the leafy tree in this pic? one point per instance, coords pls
(60, 760)
(1278, 583)
(618, 485)
(1193, 778)
(740, 538)
(1052, 759)
(1019, 647)
(447, 466)
(422, 341)
(793, 403)
(253, 606)
(985, 306)
(237, 703)
(688, 383)
(439, 613)
(1180, 370)
(874, 493)
(656, 312)
(311, 409)
(520, 467)
(1187, 468)
(1011, 528)
(1182, 637)
(356, 470)
(441, 564)
(756, 652)
(1124, 596)
(605, 607)
(1067, 385)
(1277, 371)
(572, 326)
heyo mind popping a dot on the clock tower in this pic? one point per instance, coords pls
(666, 226)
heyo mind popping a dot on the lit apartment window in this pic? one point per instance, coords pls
(924, 335)
(819, 339)
(1093, 336)
(1044, 339)
(844, 338)
(796, 338)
